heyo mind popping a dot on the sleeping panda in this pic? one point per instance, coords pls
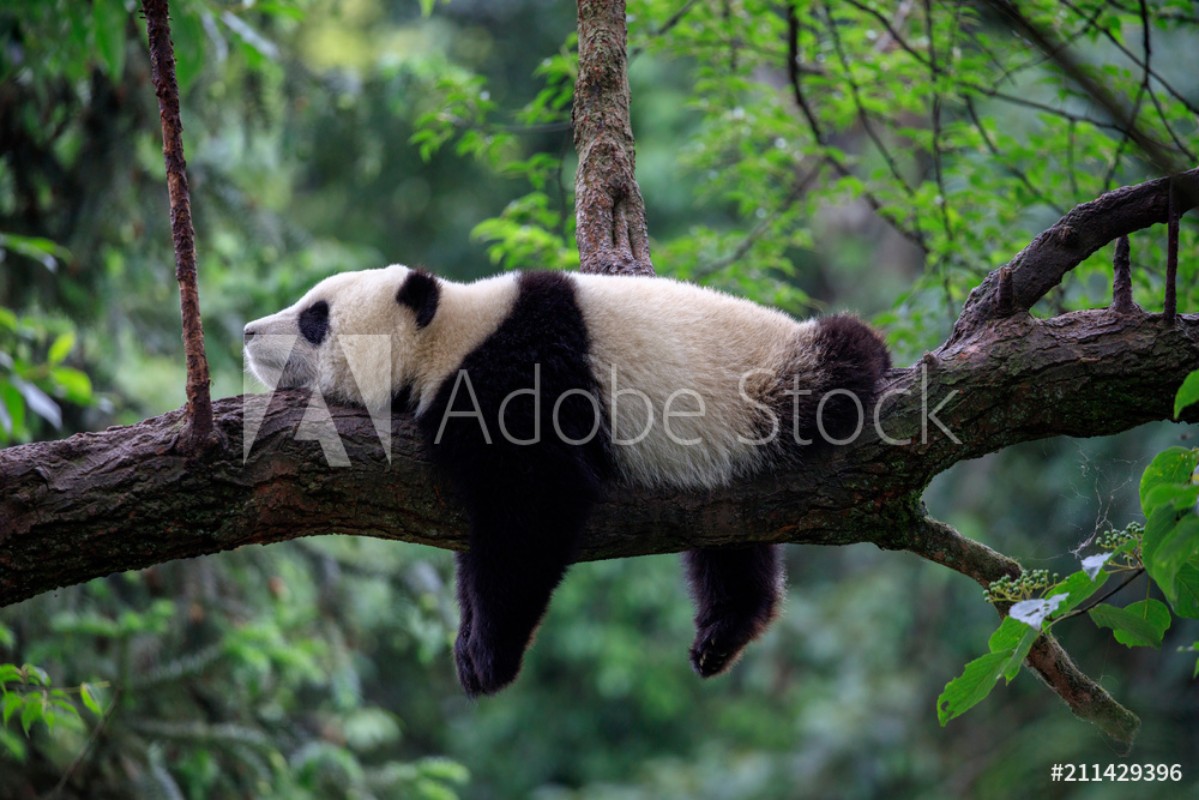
(535, 390)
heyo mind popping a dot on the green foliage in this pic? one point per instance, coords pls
(34, 379)
(1166, 548)
(27, 697)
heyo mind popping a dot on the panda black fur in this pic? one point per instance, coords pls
(745, 382)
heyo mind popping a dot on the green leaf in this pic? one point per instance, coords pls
(10, 674)
(1141, 624)
(87, 694)
(75, 386)
(1186, 588)
(1169, 543)
(109, 19)
(44, 251)
(1172, 495)
(1015, 638)
(1077, 587)
(12, 701)
(39, 402)
(35, 675)
(1171, 466)
(972, 686)
(1188, 393)
(61, 348)
(13, 744)
(13, 417)
(35, 708)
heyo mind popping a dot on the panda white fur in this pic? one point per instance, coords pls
(647, 381)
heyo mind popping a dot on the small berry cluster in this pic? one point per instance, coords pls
(1029, 584)
(1114, 540)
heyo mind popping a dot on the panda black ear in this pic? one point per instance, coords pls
(420, 292)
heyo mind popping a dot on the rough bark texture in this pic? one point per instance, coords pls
(162, 70)
(611, 228)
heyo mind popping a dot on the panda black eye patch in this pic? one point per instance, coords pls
(314, 322)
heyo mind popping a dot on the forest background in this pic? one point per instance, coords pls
(324, 136)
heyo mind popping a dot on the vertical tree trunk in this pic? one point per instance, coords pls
(610, 213)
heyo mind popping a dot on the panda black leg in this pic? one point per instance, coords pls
(466, 668)
(736, 593)
(504, 587)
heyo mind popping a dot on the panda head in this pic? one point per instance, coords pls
(356, 337)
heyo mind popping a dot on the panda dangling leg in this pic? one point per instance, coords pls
(518, 555)
(736, 593)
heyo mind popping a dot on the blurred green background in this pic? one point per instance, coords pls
(329, 135)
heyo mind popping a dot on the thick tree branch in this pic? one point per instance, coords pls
(162, 68)
(98, 503)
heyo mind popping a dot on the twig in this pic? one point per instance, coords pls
(1162, 159)
(1122, 278)
(760, 228)
(829, 154)
(1131, 56)
(1088, 700)
(1094, 601)
(1172, 218)
(863, 115)
(1016, 172)
(88, 745)
(162, 68)
(935, 75)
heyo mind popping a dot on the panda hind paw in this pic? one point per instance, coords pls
(482, 669)
(714, 651)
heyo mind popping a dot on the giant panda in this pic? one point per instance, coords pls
(535, 390)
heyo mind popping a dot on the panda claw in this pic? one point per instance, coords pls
(708, 659)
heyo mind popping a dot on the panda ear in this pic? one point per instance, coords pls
(420, 292)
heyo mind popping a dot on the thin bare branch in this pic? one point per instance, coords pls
(864, 116)
(1122, 278)
(830, 154)
(162, 66)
